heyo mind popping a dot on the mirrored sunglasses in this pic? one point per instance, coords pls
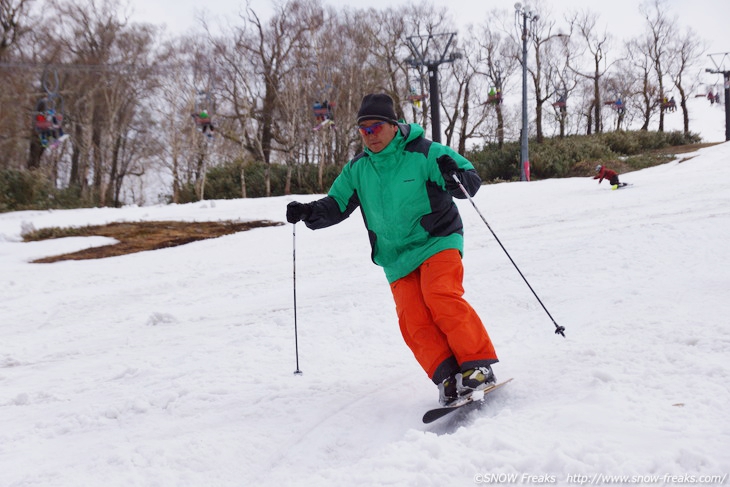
(374, 129)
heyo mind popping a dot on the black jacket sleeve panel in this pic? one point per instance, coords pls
(471, 182)
(326, 212)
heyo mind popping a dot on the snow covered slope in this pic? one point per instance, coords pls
(175, 367)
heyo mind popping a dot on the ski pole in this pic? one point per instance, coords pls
(559, 330)
(294, 275)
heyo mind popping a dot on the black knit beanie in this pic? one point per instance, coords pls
(377, 106)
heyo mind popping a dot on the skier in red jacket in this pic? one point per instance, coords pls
(612, 176)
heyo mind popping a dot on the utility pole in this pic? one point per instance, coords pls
(719, 69)
(420, 47)
(522, 17)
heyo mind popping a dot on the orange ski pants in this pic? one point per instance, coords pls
(437, 324)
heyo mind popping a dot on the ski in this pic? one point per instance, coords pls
(323, 124)
(475, 397)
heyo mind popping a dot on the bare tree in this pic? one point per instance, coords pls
(16, 29)
(169, 113)
(105, 84)
(658, 39)
(128, 99)
(585, 25)
(484, 70)
(637, 55)
(498, 57)
(360, 70)
(270, 50)
(387, 50)
(15, 21)
(564, 84)
(544, 68)
(686, 51)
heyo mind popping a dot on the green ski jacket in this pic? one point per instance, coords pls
(408, 211)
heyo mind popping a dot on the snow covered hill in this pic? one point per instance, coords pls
(175, 367)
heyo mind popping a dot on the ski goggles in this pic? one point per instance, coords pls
(374, 129)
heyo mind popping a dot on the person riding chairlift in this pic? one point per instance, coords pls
(619, 106)
(561, 103)
(43, 127)
(416, 98)
(669, 105)
(204, 122)
(48, 124)
(322, 111)
(323, 114)
(494, 96)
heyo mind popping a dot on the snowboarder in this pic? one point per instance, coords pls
(404, 185)
(605, 173)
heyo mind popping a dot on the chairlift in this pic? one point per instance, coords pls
(323, 114)
(707, 92)
(323, 108)
(494, 97)
(713, 94)
(668, 105)
(616, 104)
(416, 98)
(204, 112)
(417, 93)
(48, 115)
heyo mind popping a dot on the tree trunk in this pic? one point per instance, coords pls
(200, 176)
(685, 112)
(287, 181)
(589, 124)
(35, 152)
(243, 182)
(267, 135)
(464, 121)
(597, 102)
(500, 126)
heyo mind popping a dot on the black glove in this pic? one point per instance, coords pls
(448, 167)
(296, 211)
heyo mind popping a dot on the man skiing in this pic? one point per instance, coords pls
(404, 184)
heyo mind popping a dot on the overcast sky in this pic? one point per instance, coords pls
(709, 18)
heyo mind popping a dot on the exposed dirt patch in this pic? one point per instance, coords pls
(140, 236)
